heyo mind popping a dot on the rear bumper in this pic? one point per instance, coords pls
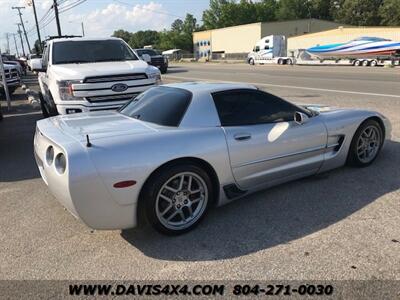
(79, 189)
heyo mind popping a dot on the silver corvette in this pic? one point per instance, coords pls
(176, 150)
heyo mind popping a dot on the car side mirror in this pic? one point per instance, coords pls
(300, 118)
(146, 58)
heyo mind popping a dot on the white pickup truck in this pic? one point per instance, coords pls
(85, 74)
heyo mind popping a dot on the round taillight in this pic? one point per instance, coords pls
(50, 155)
(60, 163)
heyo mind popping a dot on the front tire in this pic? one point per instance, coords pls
(251, 61)
(45, 113)
(366, 144)
(177, 198)
(163, 70)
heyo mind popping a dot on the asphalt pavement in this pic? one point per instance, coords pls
(343, 224)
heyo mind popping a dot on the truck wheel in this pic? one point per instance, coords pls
(289, 61)
(365, 63)
(251, 61)
(357, 63)
(45, 113)
(280, 61)
(373, 63)
(163, 70)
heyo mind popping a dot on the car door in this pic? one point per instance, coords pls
(264, 142)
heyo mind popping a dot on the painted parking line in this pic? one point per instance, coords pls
(287, 86)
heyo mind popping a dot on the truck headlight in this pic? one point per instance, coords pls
(154, 73)
(66, 90)
(156, 76)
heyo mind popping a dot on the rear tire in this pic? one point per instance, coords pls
(373, 63)
(365, 63)
(280, 61)
(357, 63)
(11, 90)
(177, 197)
(366, 144)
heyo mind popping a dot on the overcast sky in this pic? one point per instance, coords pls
(100, 17)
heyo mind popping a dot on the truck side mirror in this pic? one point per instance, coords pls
(37, 66)
(146, 58)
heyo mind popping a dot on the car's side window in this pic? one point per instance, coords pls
(251, 107)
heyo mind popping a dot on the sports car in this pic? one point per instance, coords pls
(176, 150)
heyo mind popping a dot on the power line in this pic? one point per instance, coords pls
(71, 6)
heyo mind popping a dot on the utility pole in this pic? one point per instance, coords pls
(83, 29)
(22, 41)
(8, 43)
(15, 43)
(23, 26)
(55, 6)
(32, 2)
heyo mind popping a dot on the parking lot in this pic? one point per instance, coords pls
(340, 225)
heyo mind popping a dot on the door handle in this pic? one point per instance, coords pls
(242, 136)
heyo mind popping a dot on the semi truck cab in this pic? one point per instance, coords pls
(269, 49)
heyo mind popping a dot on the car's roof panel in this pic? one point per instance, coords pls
(211, 87)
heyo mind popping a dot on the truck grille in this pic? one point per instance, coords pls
(108, 98)
(112, 78)
(157, 61)
(13, 73)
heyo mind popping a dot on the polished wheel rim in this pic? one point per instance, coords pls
(181, 201)
(368, 144)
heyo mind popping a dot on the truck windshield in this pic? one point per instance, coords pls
(160, 105)
(69, 52)
(150, 52)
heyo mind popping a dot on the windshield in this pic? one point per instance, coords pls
(150, 52)
(371, 39)
(69, 52)
(160, 105)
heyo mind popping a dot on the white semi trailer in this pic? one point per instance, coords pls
(273, 49)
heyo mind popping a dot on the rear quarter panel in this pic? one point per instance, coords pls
(135, 157)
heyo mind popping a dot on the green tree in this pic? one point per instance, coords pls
(212, 16)
(122, 34)
(293, 9)
(321, 9)
(36, 47)
(265, 10)
(389, 13)
(359, 12)
(142, 38)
